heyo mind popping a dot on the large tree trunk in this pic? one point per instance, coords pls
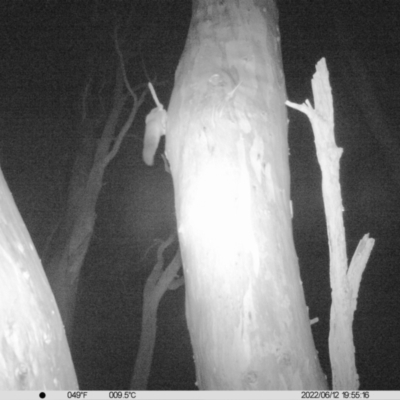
(34, 352)
(228, 153)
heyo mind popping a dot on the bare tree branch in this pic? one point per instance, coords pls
(125, 128)
(121, 59)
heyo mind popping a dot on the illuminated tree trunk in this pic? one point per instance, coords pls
(228, 153)
(34, 352)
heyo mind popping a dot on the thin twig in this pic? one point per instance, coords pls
(121, 58)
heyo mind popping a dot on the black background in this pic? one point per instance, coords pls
(49, 50)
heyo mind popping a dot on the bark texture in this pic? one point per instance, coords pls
(34, 352)
(228, 153)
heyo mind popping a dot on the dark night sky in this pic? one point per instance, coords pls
(49, 49)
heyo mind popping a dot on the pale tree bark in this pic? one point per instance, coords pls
(159, 281)
(63, 264)
(228, 153)
(34, 352)
(345, 280)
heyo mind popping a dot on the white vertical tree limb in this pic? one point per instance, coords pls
(344, 281)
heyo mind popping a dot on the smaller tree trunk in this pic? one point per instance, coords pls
(157, 284)
(345, 281)
(64, 267)
(68, 250)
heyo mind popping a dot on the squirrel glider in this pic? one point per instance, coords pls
(156, 125)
